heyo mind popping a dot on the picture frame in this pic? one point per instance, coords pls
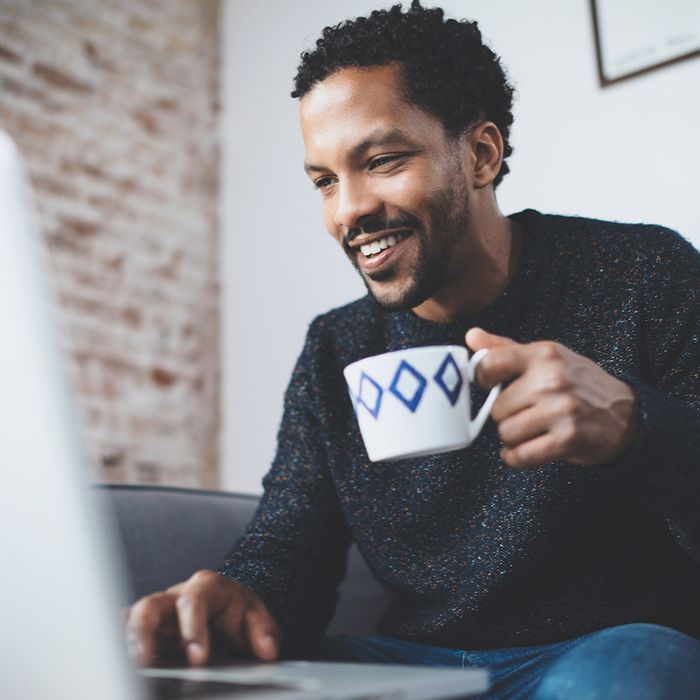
(634, 38)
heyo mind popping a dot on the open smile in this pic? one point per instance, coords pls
(372, 256)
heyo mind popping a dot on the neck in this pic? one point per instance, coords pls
(482, 266)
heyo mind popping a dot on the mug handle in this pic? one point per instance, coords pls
(476, 424)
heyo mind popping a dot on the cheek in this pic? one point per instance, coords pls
(405, 192)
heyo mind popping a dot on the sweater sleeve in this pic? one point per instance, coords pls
(663, 466)
(293, 554)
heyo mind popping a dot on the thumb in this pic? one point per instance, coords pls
(477, 339)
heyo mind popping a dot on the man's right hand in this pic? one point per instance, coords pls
(191, 618)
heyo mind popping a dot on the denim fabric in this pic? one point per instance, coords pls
(629, 662)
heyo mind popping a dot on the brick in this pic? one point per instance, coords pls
(111, 460)
(96, 57)
(148, 121)
(133, 317)
(59, 79)
(52, 185)
(80, 227)
(9, 55)
(162, 377)
(166, 104)
(12, 87)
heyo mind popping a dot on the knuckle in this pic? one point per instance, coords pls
(549, 350)
(505, 432)
(137, 610)
(552, 363)
(202, 576)
(486, 363)
(567, 405)
(186, 602)
(518, 456)
(138, 624)
(555, 379)
(147, 605)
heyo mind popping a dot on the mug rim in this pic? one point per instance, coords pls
(419, 349)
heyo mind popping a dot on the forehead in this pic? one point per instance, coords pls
(342, 110)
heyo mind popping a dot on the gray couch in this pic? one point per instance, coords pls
(168, 533)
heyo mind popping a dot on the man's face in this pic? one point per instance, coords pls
(395, 194)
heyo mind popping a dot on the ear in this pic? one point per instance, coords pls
(486, 144)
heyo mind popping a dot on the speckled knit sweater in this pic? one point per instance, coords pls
(477, 554)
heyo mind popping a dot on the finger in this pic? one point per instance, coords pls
(502, 363)
(510, 360)
(516, 397)
(200, 600)
(537, 384)
(533, 453)
(478, 338)
(526, 425)
(146, 619)
(263, 633)
(545, 378)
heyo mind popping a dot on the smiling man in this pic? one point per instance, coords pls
(396, 193)
(562, 549)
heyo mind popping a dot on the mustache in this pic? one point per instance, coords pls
(376, 224)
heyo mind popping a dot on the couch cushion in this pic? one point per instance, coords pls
(168, 533)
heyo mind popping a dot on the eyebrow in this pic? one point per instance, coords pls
(376, 138)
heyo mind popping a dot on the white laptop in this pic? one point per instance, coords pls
(60, 624)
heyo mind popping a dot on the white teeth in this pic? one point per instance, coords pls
(383, 243)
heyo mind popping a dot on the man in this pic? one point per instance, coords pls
(562, 548)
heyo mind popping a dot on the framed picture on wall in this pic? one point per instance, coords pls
(635, 37)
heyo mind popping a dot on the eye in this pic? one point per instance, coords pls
(323, 182)
(379, 161)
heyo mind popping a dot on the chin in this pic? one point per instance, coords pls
(395, 297)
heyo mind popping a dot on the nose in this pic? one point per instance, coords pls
(355, 203)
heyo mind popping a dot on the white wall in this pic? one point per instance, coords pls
(627, 152)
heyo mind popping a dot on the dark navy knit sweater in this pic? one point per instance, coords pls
(480, 555)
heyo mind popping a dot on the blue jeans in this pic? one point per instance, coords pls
(629, 662)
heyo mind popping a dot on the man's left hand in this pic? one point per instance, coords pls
(558, 406)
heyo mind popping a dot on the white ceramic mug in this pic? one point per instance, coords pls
(415, 402)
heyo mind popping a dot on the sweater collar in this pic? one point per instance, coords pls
(409, 330)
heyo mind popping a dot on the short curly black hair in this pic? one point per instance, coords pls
(446, 68)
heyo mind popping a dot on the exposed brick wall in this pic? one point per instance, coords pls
(115, 106)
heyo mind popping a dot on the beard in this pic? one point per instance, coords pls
(447, 224)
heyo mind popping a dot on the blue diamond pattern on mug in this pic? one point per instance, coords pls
(408, 385)
(449, 378)
(369, 394)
